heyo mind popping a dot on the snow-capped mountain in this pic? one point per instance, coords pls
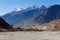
(48, 15)
(32, 16)
(16, 17)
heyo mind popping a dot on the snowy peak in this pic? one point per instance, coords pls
(17, 8)
(35, 7)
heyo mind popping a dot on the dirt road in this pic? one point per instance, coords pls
(45, 35)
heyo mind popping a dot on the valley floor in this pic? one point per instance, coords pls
(44, 35)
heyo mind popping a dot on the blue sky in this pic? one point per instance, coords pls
(7, 5)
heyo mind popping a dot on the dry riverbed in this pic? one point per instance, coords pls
(44, 35)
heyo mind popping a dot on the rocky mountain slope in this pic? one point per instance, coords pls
(50, 14)
(16, 17)
(32, 17)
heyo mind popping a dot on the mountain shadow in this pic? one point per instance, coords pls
(4, 24)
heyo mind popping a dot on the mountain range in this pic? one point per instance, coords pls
(33, 16)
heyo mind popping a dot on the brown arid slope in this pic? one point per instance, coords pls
(51, 26)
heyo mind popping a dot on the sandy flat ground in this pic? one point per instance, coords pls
(45, 35)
